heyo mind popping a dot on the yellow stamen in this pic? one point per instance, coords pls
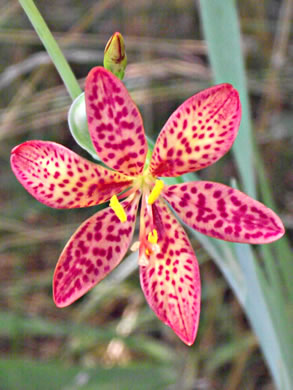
(118, 208)
(153, 237)
(159, 185)
(147, 252)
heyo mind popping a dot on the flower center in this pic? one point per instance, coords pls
(149, 185)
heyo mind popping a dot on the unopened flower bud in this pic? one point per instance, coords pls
(115, 59)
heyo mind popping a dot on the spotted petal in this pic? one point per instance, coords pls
(60, 178)
(93, 251)
(198, 133)
(223, 212)
(171, 281)
(115, 124)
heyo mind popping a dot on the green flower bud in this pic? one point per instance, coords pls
(115, 59)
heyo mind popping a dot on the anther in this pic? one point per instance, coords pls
(159, 185)
(118, 208)
(135, 246)
(153, 237)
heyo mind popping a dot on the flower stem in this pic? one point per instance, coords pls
(52, 47)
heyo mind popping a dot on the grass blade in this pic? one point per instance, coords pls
(221, 30)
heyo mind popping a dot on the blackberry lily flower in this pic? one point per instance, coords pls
(196, 135)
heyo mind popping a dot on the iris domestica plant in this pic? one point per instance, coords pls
(195, 136)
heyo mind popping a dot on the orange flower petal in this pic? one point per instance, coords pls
(115, 124)
(222, 212)
(198, 133)
(170, 278)
(60, 178)
(93, 251)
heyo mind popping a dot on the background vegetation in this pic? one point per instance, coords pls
(110, 339)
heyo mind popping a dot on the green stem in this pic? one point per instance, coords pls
(52, 48)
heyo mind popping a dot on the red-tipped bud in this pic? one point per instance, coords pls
(115, 59)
